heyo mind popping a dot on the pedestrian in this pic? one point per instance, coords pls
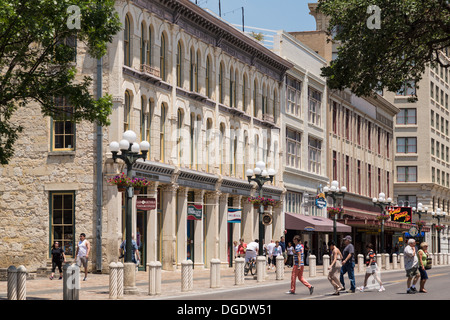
(283, 248)
(277, 251)
(306, 253)
(58, 257)
(252, 250)
(299, 265)
(411, 266)
(270, 248)
(348, 264)
(290, 255)
(371, 269)
(241, 248)
(134, 248)
(235, 247)
(335, 267)
(82, 254)
(423, 255)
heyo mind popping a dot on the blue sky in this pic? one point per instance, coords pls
(288, 15)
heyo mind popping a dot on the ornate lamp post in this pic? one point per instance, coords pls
(438, 215)
(129, 149)
(382, 203)
(335, 193)
(420, 210)
(260, 175)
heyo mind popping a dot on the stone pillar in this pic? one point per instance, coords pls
(239, 271)
(215, 273)
(182, 224)
(187, 276)
(212, 226)
(199, 236)
(21, 283)
(129, 276)
(402, 261)
(168, 226)
(260, 268)
(223, 227)
(12, 283)
(152, 225)
(360, 263)
(326, 264)
(280, 267)
(388, 263)
(312, 265)
(248, 221)
(113, 280)
(394, 261)
(119, 280)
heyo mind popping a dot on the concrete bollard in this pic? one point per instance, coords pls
(151, 278)
(402, 261)
(441, 258)
(21, 283)
(388, 263)
(361, 265)
(394, 261)
(380, 262)
(280, 267)
(239, 271)
(326, 264)
(187, 278)
(113, 280)
(215, 273)
(119, 280)
(312, 265)
(71, 284)
(12, 283)
(260, 268)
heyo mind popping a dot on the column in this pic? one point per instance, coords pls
(199, 239)
(223, 228)
(152, 225)
(211, 237)
(247, 225)
(182, 225)
(168, 226)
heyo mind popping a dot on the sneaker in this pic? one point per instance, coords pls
(290, 292)
(381, 289)
(361, 289)
(51, 277)
(409, 291)
(84, 279)
(351, 291)
(414, 289)
(311, 290)
(60, 278)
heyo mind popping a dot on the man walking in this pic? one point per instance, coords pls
(82, 253)
(411, 266)
(348, 264)
(299, 265)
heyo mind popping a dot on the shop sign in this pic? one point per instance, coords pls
(194, 212)
(321, 201)
(234, 215)
(145, 203)
(401, 214)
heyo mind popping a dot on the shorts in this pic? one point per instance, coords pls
(423, 274)
(82, 261)
(411, 272)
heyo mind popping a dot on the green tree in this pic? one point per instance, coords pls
(410, 37)
(37, 60)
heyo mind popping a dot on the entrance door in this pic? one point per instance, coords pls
(190, 231)
(141, 238)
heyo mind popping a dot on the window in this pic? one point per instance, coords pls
(293, 148)
(208, 77)
(162, 58)
(63, 129)
(432, 118)
(221, 82)
(179, 64)
(294, 202)
(255, 97)
(407, 89)
(62, 208)
(192, 71)
(148, 127)
(209, 150)
(126, 111)
(407, 116)
(264, 100)
(407, 201)
(407, 145)
(314, 152)
(294, 97)
(179, 137)
(315, 101)
(232, 89)
(244, 93)
(335, 175)
(347, 124)
(432, 146)
(407, 174)
(127, 42)
(162, 131)
(143, 45)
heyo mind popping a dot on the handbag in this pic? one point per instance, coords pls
(429, 263)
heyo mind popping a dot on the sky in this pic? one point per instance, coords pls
(288, 15)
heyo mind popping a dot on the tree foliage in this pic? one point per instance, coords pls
(411, 36)
(37, 61)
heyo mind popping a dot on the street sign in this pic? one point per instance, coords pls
(194, 212)
(145, 203)
(321, 201)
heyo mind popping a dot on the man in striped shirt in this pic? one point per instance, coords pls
(299, 265)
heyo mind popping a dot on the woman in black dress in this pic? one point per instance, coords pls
(58, 257)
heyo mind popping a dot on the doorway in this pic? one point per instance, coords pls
(141, 238)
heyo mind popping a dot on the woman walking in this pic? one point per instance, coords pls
(335, 267)
(371, 269)
(58, 257)
(290, 255)
(423, 255)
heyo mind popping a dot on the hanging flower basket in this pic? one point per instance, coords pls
(335, 210)
(266, 202)
(121, 181)
(420, 224)
(383, 217)
(439, 227)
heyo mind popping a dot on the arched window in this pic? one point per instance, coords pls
(192, 140)
(142, 118)
(179, 65)
(179, 137)
(209, 148)
(208, 77)
(143, 45)
(162, 131)
(232, 88)
(274, 108)
(127, 42)
(126, 111)
(255, 96)
(192, 70)
(149, 47)
(244, 93)
(264, 100)
(221, 79)
(197, 67)
(148, 127)
(162, 63)
(245, 154)
(222, 148)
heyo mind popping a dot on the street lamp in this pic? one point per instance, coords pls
(382, 203)
(335, 192)
(129, 153)
(260, 175)
(420, 210)
(438, 215)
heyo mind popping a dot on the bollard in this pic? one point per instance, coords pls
(312, 265)
(215, 273)
(326, 264)
(151, 278)
(21, 283)
(260, 268)
(388, 263)
(71, 284)
(379, 260)
(361, 265)
(239, 271)
(12, 283)
(187, 276)
(394, 261)
(113, 280)
(119, 280)
(280, 267)
(402, 261)
(158, 268)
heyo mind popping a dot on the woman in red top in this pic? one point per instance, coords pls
(241, 248)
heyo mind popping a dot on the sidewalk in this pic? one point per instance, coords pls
(97, 285)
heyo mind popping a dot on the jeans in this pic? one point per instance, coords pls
(350, 268)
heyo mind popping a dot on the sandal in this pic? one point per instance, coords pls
(423, 291)
(51, 277)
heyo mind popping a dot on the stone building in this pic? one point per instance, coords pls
(207, 98)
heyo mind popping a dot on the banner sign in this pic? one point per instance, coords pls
(234, 215)
(145, 203)
(194, 212)
(401, 214)
(321, 201)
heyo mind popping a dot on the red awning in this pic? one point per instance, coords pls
(296, 221)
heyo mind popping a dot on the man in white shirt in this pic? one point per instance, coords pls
(411, 265)
(252, 250)
(270, 248)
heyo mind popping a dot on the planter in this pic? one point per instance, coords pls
(137, 191)
(256, 205)
(121, 187)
